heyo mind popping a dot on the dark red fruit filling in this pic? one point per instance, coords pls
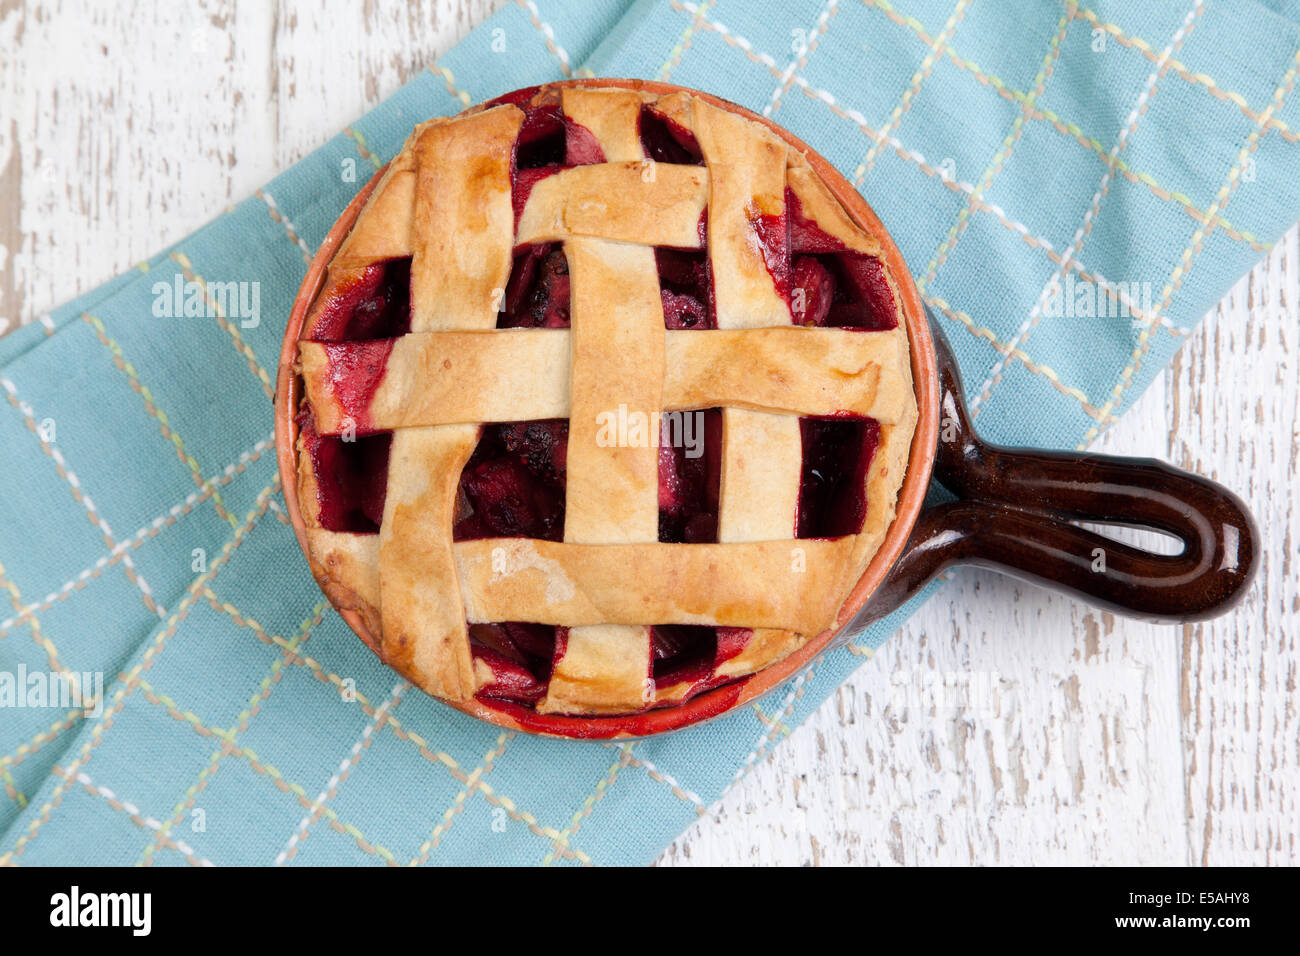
(773, 233)
(690, 654)
(355, 371)
(581, 148)
(541, 138)
(518, 98)
(823, 283)
(513, 484)
(682, 652)
(510, 679)
(846, 290)
(547, 136)
(805, 234)
(832, 491)
(374, 305)
(351, 477)
(829, 286)
(537, 295)
(814, 292)
(667, 141)
(520, 656)
(690, 473)
(686, 288)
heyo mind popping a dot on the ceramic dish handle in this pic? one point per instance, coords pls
(1015, 510)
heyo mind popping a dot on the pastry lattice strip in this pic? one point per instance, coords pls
(795, 371)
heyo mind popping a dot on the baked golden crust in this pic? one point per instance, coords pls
(612, 118)
(726, 584)
(604, 670)
(424, 629)
(446, 202)
(448, 378)
(648, 204)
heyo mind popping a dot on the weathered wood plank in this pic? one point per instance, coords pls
(120, 139)
(1234, 413)
(333, 62)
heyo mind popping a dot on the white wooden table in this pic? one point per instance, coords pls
(1003, 725)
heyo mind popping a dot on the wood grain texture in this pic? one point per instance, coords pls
(332, 62)
(1003, 725)
(1234, 413)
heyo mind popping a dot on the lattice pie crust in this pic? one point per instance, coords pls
(573, 254)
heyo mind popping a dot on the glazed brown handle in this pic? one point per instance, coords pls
(1014, 510)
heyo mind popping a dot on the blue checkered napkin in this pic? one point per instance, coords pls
(1036, 161)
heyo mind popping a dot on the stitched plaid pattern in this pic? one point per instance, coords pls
(1012, 149)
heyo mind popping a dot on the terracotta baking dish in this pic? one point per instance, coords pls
(1014, 509)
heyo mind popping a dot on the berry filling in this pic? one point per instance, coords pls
(773, 235)
(581, 148)
(846, 290)
(513, 484)
(666, 141)
(832, 490)
(520, 656)
(690, 653)
(541, 138)
(686, 287)
(351, 477)
(373, 305)
(537, 295)
(831, 286)
(824, 283)
(814, 292)
(355, 371)
(518, 98)
(690, 473)
(511, 680)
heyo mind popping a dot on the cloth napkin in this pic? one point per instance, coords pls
(1036, 161)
